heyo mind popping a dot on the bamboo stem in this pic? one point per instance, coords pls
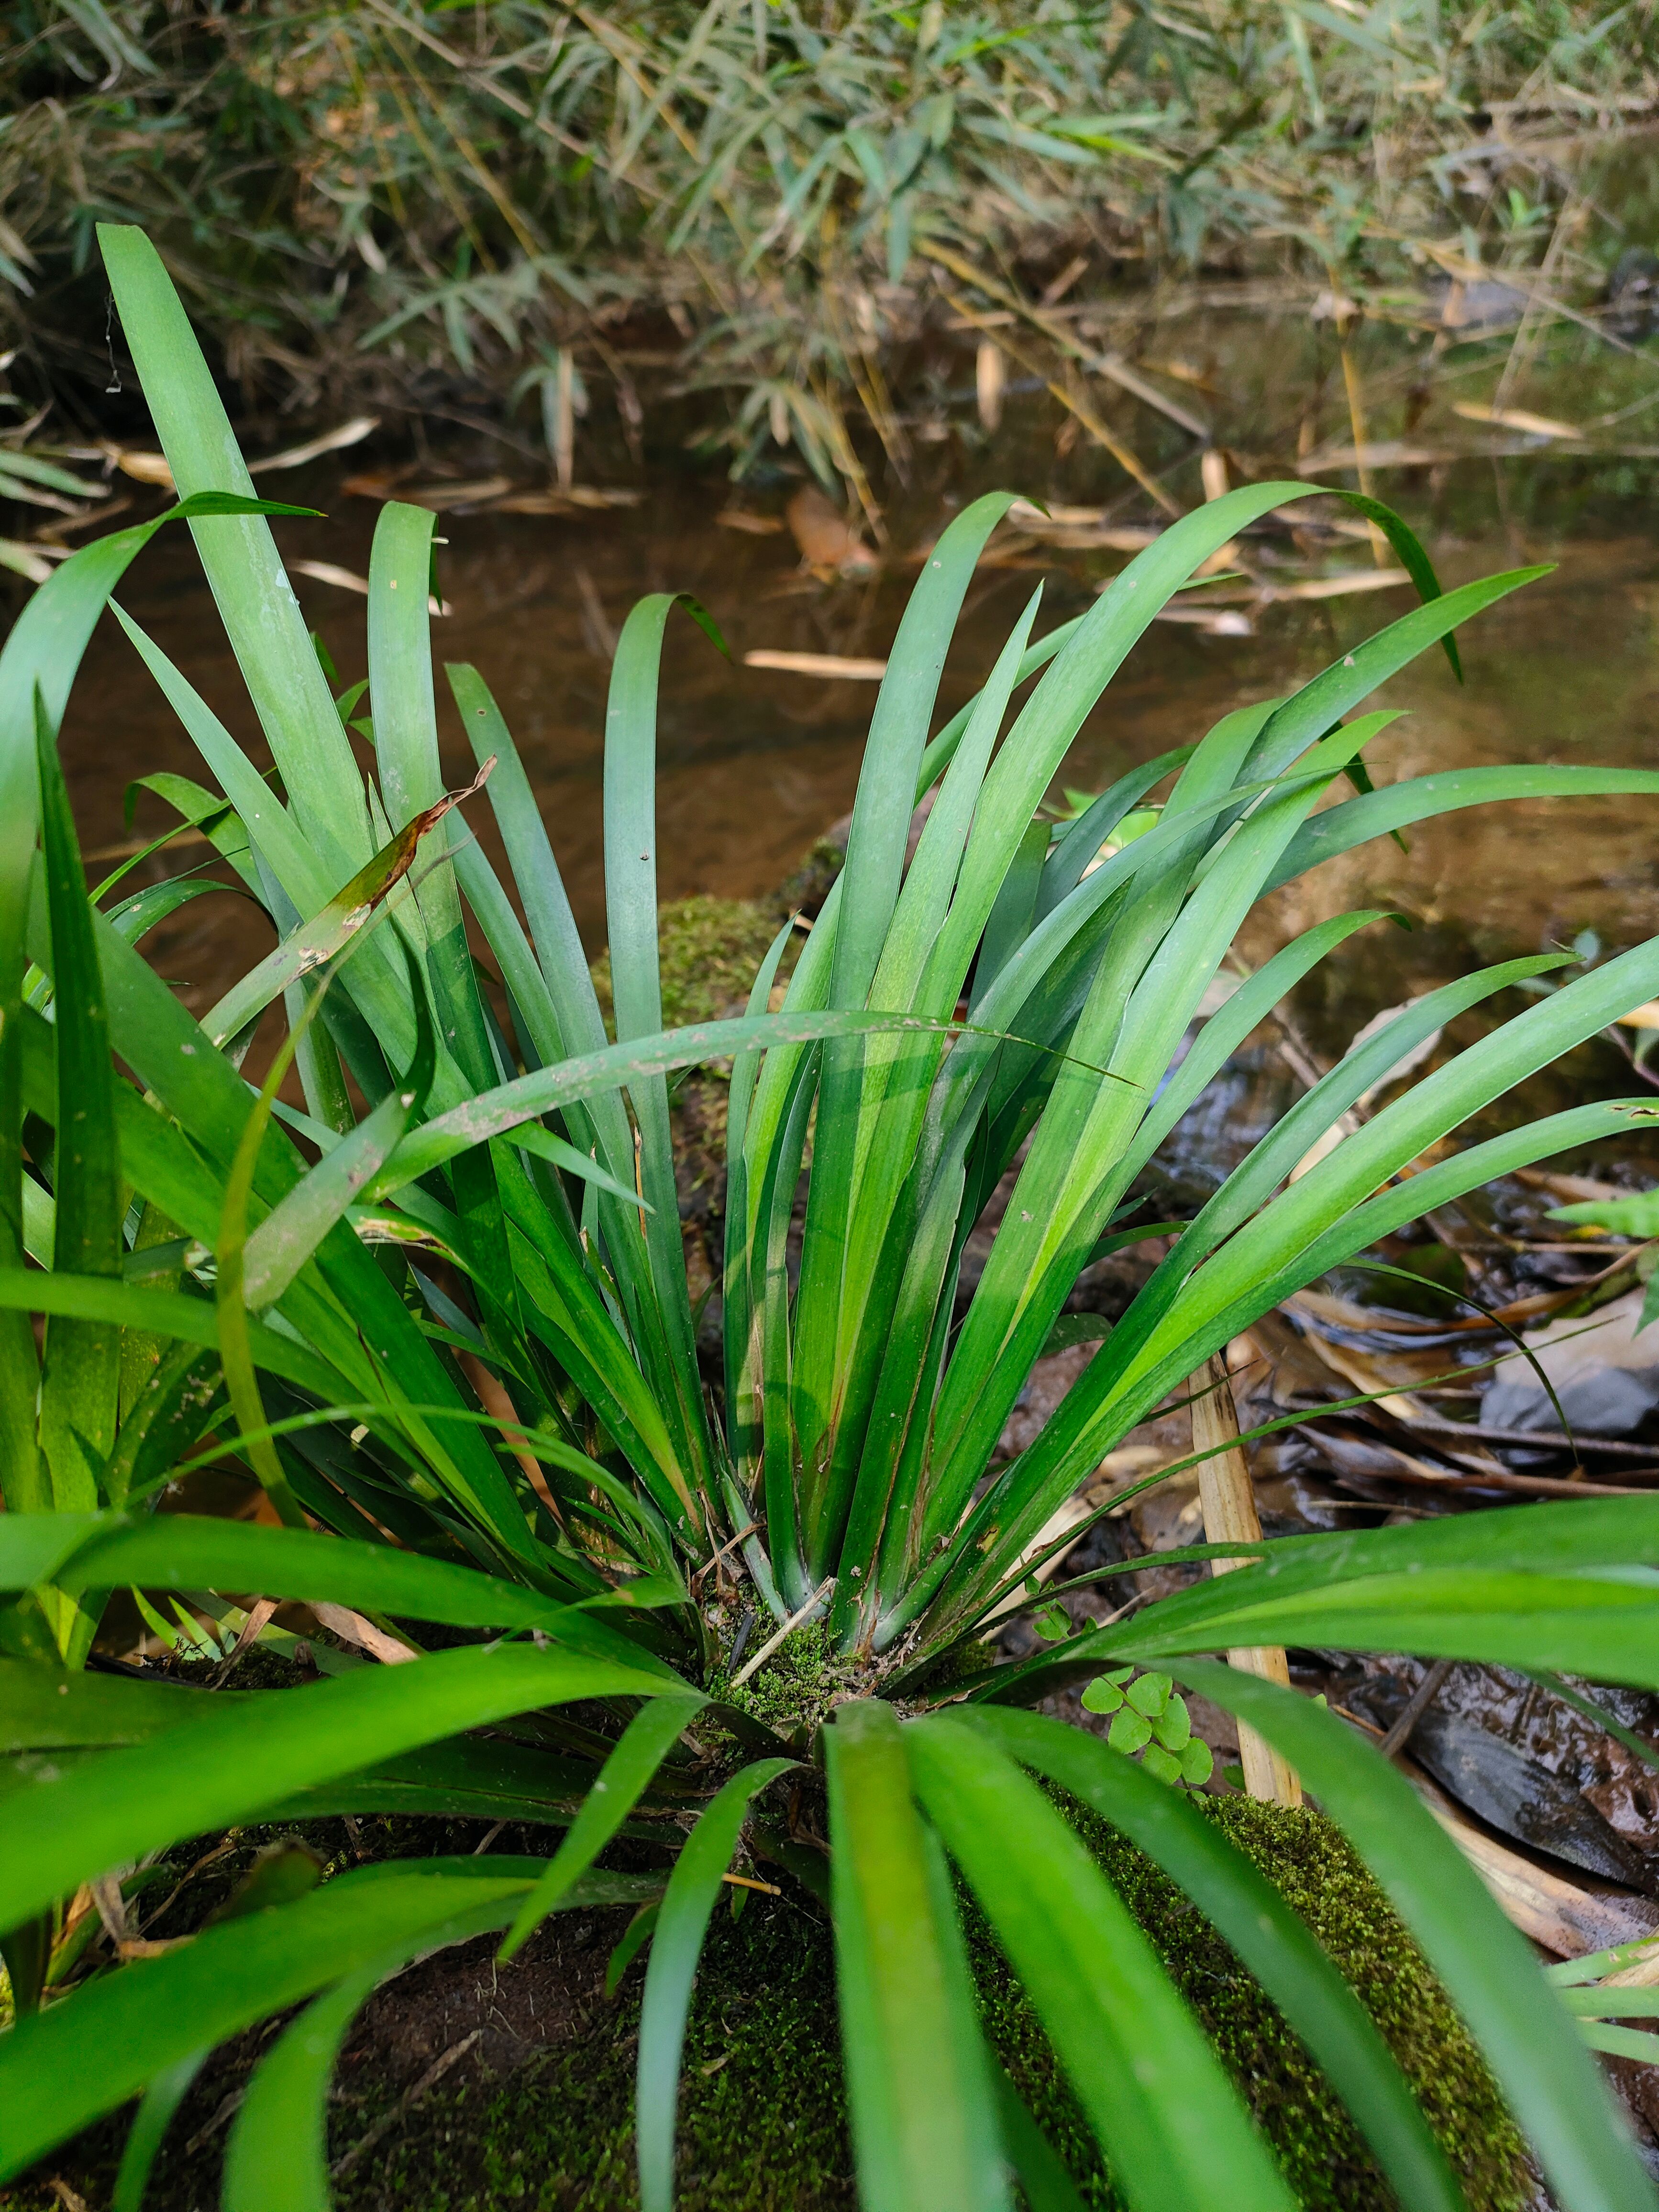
(1230, 1518)
(1085, 414)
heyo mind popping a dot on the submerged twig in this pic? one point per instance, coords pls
(1421, 1698)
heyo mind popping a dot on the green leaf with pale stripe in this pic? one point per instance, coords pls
(918, 2081)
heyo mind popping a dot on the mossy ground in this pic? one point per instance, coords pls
(763, 2115)
(799, 1685)
(763, 2118)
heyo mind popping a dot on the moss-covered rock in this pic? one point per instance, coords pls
(762, 2122)
(1321, 2151)
(709, 951)
(763, 2116)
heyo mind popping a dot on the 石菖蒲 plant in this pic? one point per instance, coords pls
(441, 1313)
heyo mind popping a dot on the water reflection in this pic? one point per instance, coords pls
(753, 763)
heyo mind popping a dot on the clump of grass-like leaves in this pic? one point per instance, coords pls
(441, 1314)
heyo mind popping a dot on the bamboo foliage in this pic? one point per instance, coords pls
(381, 194)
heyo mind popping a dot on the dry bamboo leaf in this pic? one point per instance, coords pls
(1515, 418)
(834, 667)
(755, 526)
(331, 441)
(1339, 586)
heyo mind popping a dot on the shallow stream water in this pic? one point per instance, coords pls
(754, 763)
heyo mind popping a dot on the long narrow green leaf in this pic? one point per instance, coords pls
(893, 751)
(116, 1305)
(256, 601)
(1587, 1545)
(230, 1301)
(682, 1923)
(742, 1297)
(1550, 2083)
(82, 1365)
(1291, 1243)
(288, 1237)
(323, 937)
(406, 743)
(644, 1742)
(547, 904)
(186, 1550)
(941, 751)
(1038, 2166)
(923, 966)
(1420, 797)
(1338, 689)
(1137, 1007)
(150, 2123)
(269, 825)
(1094, 826)
(1226, 1030)
(1587, 1625)
(590, 1074)
(222, 1766)
(276, 2159)
(1176, 2131)
(661, 1317)
(924, 2122)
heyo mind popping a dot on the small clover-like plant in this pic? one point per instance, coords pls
(1151, 1722)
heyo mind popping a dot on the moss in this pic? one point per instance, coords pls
(800, 1683)
(709, 951)
(762, 2119)
(1322, 1878)
(1319, 2148)
(763, 2116)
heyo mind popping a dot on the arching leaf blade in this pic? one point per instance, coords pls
(676, 1945)
(918, 2077)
